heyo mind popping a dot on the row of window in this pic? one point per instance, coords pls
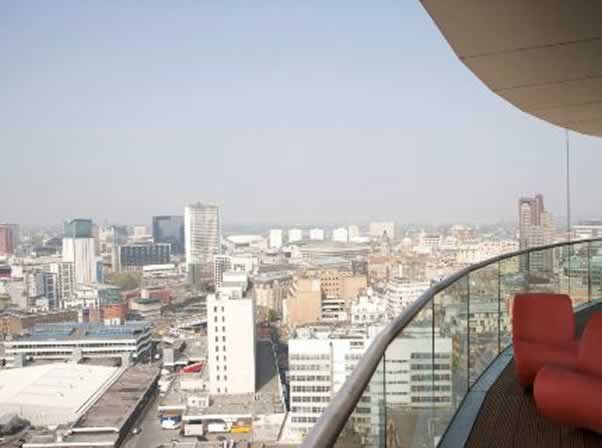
(302, 419)
(307, 357)
(431, 399)
(430, 355)
(306, 399)
(309, 378)
(431, 388)
(430, 377)
(308, 367)
(306, 410)
(430, 367)
(311, 388)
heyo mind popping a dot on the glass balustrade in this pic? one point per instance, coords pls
(429, 367)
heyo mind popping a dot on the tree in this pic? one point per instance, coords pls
(124, 280)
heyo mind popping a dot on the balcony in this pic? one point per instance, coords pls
(463, 386)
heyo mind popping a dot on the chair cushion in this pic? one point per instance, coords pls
(569, 397)
(530, 357)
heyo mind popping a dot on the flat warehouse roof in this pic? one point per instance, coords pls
(64, 387)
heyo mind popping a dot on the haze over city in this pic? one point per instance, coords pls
(304, 113)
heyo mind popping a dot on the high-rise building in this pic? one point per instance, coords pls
(231, 344)
(316, 234)
(353, 232)
(7, 240)
(203, 237)
(275, 238)
(79, 248)
(222, 263)
(111, 236)
(340, 235)
(169, 229)
(377, 229)
(530, 213)
(535, 228)
(295, 235)
(133, 257)
(65, 281)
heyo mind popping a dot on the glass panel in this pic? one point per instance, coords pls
(484, 317)
(545, 268)
(596, 270)
(451, 353)
(409, 384)
(513, 279)
(577, 272)
(366, 425)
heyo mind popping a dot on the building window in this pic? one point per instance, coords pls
(222, 309)
(218, 377)
(224, 338)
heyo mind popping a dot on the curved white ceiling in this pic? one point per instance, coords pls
(543, 56)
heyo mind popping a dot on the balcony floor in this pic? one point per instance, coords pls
(508, 417)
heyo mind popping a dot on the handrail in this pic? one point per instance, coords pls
(326, 430)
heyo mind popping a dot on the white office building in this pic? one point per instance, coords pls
(378, 229)
(320, 365)
(82, 253)
(340, 234)
(353, 232)
(77, 341)
(295, 235)
(231, 344)
(316, 234)
(202, 237)
(401, 292)
(368, 310)
(65, 281)
(275, 239)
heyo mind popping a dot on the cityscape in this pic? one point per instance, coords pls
(338, 224)
(239, 337)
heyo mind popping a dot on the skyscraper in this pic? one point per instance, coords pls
(169, 229)
(203, 236)
(275, 238)
(530, 213)
(535, 228)
(7, 246)
(79, 248)
(231, 344)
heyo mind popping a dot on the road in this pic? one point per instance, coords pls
(152, 435)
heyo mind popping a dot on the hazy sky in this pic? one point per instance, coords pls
(284, 111)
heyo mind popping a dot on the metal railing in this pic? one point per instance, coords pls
(392, 400)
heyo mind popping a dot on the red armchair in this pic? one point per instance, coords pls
(543, 332)
(574, 397)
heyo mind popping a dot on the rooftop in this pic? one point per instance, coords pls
(76, 330)
(120, 398)
(60, 390)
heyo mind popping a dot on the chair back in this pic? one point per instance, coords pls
(543, 317)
